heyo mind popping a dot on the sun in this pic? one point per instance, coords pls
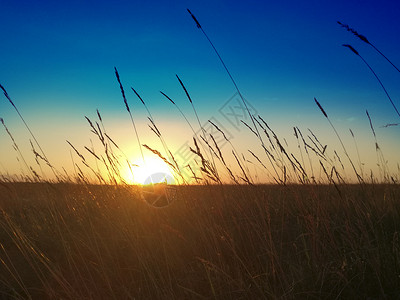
(152, 170)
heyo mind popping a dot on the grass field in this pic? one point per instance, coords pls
(65, 241)
(327, 227)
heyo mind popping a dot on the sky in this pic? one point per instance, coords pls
(57, 62)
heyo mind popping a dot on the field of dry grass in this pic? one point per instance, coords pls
(66, 241)
(328, 228)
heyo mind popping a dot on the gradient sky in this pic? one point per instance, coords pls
(57, 63)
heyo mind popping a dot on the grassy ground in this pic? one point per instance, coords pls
(65, 241)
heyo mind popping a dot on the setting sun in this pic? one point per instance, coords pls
(153, 170)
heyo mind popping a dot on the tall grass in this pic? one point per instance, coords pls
(365, 40)
(44, 157)
(227, 71)
(359, 178)
(314, 233)
(255, 242)
(376, 76)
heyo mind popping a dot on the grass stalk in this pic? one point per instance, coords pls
(228, 72)
(30, 131)
(358, 153)
(376, 76)
(130, 114)
(187, 121)
(198, 119)
(365, 40)
(359, 178)
(15, 146)
(381, 159)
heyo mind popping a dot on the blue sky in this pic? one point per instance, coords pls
(57, 61)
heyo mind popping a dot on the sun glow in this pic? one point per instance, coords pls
(153, 170)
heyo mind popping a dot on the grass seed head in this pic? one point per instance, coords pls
(122, 90)
(360, 36)
(351, 48)
(194, 18)
(184, 88)
(168, 98)
(320, 107)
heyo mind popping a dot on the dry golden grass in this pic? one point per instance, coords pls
(214, 242)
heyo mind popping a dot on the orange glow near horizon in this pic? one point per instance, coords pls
(153, 170)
